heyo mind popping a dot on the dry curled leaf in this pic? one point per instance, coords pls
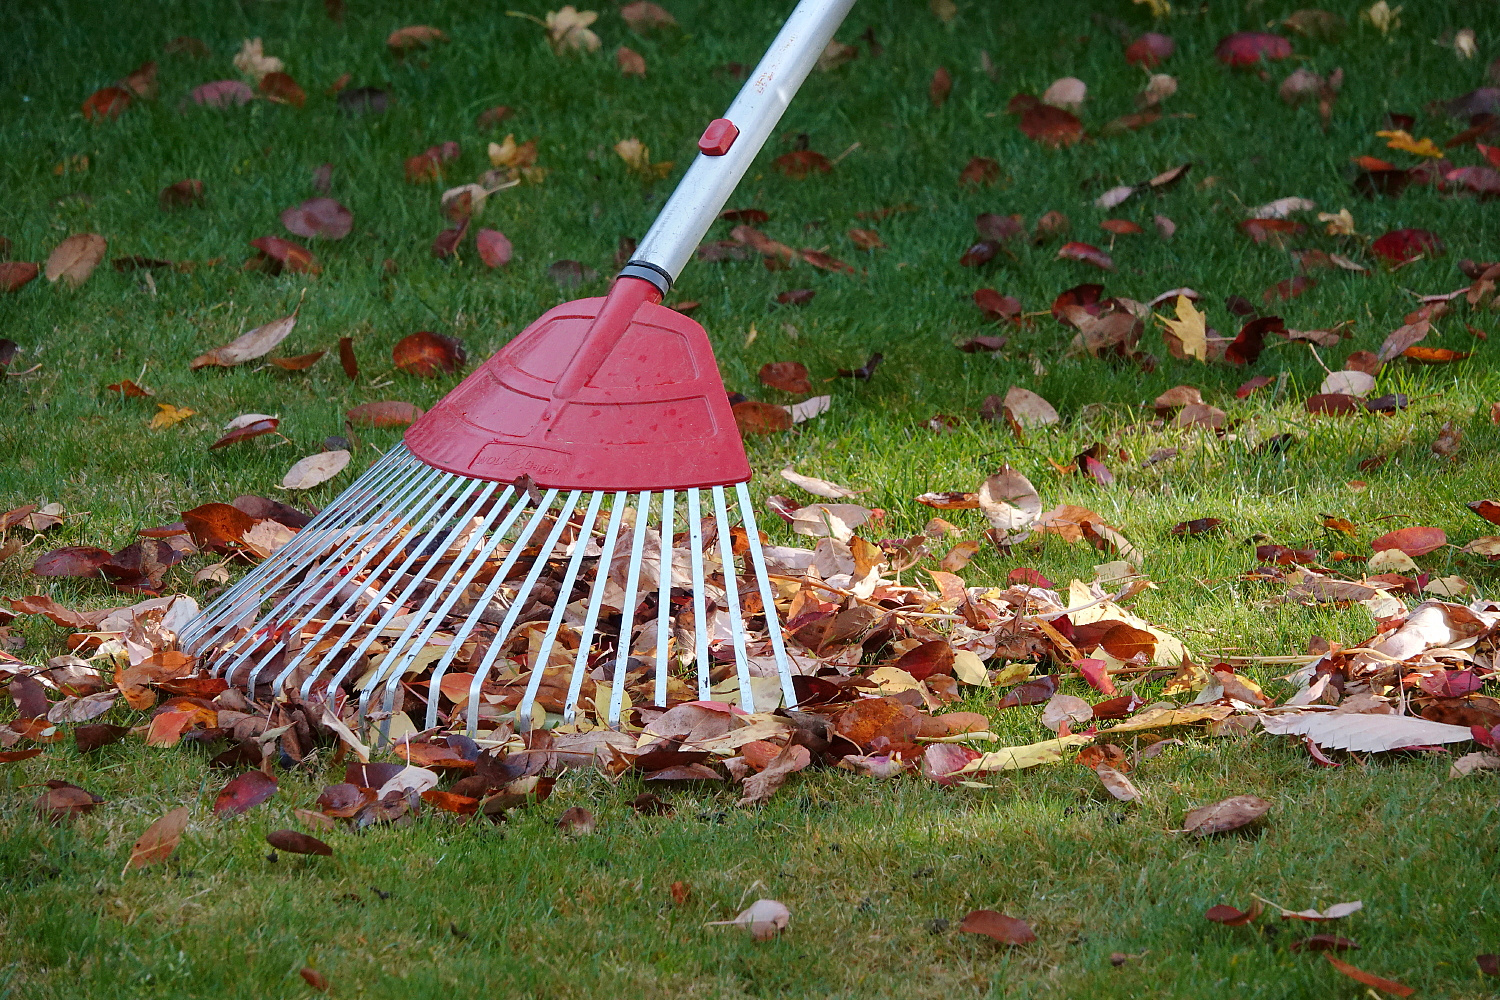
(160, 839)
(315, 469)
(1003, 928)
(764, 918)
(1223, 816)
(247, 346)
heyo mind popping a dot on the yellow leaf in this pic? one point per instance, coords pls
(969, 669)
(1159, 8)
(1019, 758)
(569, 29)
(1190, 328)
(1155, 718)
(1383, 16)
(637, 156)
(252, 60)
(1341, 224)
(1014, 673)
(169, 415)
(1402, 140)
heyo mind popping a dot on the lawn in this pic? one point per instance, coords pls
(877, 874)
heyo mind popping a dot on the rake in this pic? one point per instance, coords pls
(573, 514)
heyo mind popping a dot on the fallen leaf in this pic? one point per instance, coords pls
(1226, 815)
(222, 94)
(168, 415)
(284, 254)
(315, 469)
(319, 217)
(244, 792)
(1230, 916)
(753, 417)
(1365, 733)
(764, 919)
(1118, 785)
(1404, 245)
(245, 427)
(1190, 328)
(75, 258)
(14, 274)
(386, 413)
(494, 248)
(1003, 928)
(1087, 254)
(1246, 48)
(1414, 541)
(160, 839)
(642, 15)
(247, 346)
(428, 355)
(1370, 979)
(788, 376)
(1051, 126)
(294, 842)
(1150, 50)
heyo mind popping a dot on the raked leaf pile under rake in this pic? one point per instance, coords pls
(557, 535)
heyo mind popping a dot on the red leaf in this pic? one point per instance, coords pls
(294, 842)
(446, 243)
(1415, 541)
(1051, 126)
(1231, 916)
(1150, 50)
(1245, 348)
(1096, 672)
(387, 413)
(1028, 577)
(74, 560)
(1487, 509)
(244, 792)
(1085, 297)
(428, 355)
(751, 216)
(106, 103)
(1120, 227)
(16, 273)
(217, 526)
(1261, 230)
(1370, 979)
(801, 162)
(494, 248)
(295, 258)
(1087, 254)
(1257, 383)
(319, 217)
(1005, 929)
(253, 429)
(1246, 48)
(940, 87)
(980, 253)
(996, 306)
(1402, 245)
(180, 195)
(796, 297)
(827, 262)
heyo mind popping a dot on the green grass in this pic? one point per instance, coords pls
(865, 867)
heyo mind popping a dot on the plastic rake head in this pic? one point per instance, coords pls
(508, 603)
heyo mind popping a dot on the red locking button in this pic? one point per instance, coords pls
(718, 137)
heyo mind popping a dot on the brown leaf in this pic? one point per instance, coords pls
(347, 360)
(180, 195)
(801, 162)
(1323, 942)
(160, 839)
(100, 734)
(416, 36)
(1229, 916)
(1370, 979)
(979, 171)
(217, 527)
(75, 258)
(428, 355)
(796, 297)
(631, 62)
(788, 376)
(866, 239)
(300, 363)
(293, 842)
(247, 346)
(1223, 816)
(282, 89)
(642, 15)
(386, 413)
(62, 801)
(16, 273)
(577, 821)
(761, 786)
(754, 417)
(244, 792)
(940, 87)
(106, 104)
(494, 248)
(285, 254)
(1005, 929)
(314, 978)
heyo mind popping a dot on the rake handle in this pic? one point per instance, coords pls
(708, 183)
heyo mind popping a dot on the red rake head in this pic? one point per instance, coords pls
(613, 393)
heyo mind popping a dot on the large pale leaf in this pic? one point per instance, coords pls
(247, 346)
(1009, 500)
(1365, 733)
(1030, 755)
(75, 258)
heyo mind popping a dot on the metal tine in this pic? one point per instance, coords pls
(462, 634)
(439, 507)
(627, 610)
(596, 598)
(767, 598)
(374, 631)
(334, 569)
(335, 560)
(664, 596)
(517, 605)
(565, 590)
(732, 601)
(368, 490)
(423, 617)
(462, 586)
(700, 598)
